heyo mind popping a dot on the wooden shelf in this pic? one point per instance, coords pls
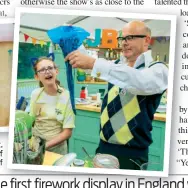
(26, 80)
(100, 48)
(157, 116)
(84, 82)
(112, 59)
(160, 116)
(88, 108)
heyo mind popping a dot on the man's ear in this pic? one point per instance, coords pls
(148, 40)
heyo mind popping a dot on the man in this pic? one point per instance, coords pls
(134, 92)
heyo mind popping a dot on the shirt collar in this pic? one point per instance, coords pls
(145, 57)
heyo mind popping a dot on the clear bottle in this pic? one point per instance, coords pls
(107, 54)
(157, 57)
(86, 91)
(111, 54)
(115, 55)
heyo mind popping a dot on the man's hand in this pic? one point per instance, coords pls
(78, 60)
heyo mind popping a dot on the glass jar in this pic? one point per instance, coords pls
(78, 163)
(105, 161)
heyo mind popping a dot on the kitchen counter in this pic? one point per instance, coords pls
(50, 158)
(89, 138)
(157, 116)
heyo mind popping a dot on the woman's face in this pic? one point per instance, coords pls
(46, 72)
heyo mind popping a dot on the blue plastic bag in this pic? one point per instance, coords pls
(69, 38)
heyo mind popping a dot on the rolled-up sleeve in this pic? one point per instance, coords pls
(147, 81)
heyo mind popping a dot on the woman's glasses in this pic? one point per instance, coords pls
(129, 38)
(45, 69)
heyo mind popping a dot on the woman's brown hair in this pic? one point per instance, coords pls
(35, 68)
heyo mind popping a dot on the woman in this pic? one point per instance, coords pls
(51, 106)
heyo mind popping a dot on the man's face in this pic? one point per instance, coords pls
(133, 46)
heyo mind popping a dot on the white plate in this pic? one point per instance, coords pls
(82, 101)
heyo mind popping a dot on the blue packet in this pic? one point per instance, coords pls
(69, 38)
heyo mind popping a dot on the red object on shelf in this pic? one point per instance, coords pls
(83, 93)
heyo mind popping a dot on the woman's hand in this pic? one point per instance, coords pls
(64, 135)
(79, 60)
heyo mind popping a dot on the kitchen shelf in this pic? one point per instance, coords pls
(100, 48)
(88, 108)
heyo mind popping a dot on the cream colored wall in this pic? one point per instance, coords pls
(5, 82)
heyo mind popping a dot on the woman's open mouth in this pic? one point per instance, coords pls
(48, 77)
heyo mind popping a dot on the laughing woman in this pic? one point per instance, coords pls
(51, 106)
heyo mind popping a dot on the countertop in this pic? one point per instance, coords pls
(157, 116)
(50, 158)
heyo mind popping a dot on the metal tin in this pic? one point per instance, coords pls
(78, 163)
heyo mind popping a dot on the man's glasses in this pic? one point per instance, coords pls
(44, 70)
(129, 38)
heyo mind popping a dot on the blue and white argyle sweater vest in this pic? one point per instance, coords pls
(126, 119)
